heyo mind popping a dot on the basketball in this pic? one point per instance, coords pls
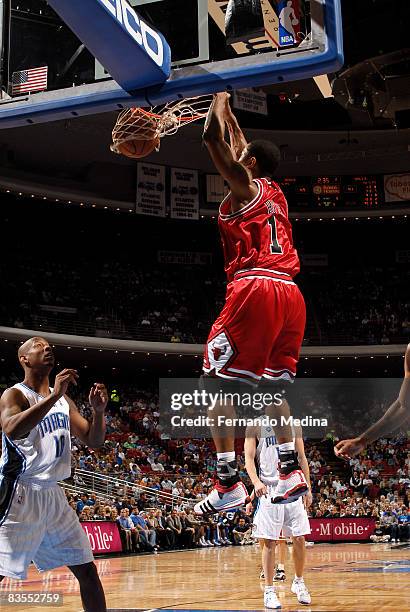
(138, 135)
(136, 148)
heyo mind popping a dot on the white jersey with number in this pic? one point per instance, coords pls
(273, 521)
(267, 456)
(44, 456)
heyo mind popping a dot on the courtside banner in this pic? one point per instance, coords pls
(151, 190)
(184, 194)
(103, 536)
(341, 529)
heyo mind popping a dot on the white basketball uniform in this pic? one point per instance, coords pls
(36, 522)
(271, 520)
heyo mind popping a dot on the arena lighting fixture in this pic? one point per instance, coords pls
(148, 354)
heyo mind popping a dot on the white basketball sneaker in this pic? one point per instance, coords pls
(290, 487)
(222, 498)
(271, 601)
(299, 588)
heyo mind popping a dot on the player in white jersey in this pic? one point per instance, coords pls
(271, 520)
(36, 522)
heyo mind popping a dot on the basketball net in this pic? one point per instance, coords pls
(158, 121)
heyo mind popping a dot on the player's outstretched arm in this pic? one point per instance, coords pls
(92, 434)
(235, 173)
(394, 417)
(237, 138)
(18, 418)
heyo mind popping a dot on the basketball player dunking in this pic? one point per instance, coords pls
(396, 415)
(259, 332)
(36, 522)
(272, 520)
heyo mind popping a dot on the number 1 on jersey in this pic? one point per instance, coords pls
(275, 247)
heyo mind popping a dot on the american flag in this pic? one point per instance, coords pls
(25, 81)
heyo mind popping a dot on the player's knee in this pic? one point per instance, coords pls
(299, 540)
(270, 545)
(87, 572)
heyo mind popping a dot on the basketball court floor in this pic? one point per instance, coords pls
(348, 577)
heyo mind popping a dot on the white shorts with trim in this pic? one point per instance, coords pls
(41, 526)
(273, 520)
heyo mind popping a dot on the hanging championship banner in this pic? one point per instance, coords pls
(151, 190)
(216, 188)
(184, 194)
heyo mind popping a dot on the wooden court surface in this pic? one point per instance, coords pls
(348, 577)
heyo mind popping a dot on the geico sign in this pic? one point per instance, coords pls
(137, 28)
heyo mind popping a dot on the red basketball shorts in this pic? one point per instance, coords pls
(259, 331)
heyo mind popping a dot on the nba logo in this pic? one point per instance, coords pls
(289, 22)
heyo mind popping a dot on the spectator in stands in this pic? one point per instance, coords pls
(128, 532)
(166, 535)
(356, 481)
(242, 533)
(81, 503)
(188, 530)
(194, 523)
(174, 523)
(148, 536)
(387, 520)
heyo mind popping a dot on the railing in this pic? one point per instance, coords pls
(116, 330)
(109, 487)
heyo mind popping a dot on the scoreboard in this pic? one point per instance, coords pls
(332, 192)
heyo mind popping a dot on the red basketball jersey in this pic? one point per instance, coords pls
(260, 234)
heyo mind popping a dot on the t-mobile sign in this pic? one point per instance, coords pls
(341, 529)
(103, 536)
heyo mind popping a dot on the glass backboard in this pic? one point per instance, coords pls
(303, 38)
